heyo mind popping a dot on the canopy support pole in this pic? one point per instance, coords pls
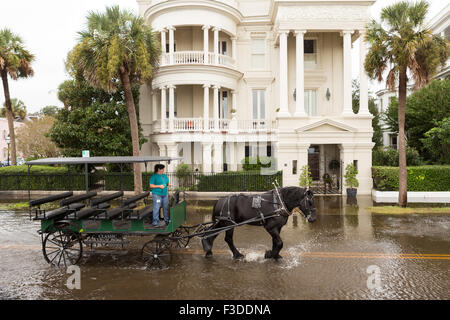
(86, 175)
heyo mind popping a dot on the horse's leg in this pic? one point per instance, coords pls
(207, 244)
(277, 244)
(229, 240)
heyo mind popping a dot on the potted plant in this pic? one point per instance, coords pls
(350, 180)
(305, 177)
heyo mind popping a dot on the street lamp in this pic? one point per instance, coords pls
(8, 140)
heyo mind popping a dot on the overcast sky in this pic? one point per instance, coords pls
(49, 29)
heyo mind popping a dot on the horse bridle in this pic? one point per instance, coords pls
(308, 208)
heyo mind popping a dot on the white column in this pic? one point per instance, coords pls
(163, 46)
(300, 75)
(206, 43)
(216, 45)
(347, 110)
(363, 82)
(172, 151)
(216, 107)
(218, 157)
(154, 107)
(206, 157)
(171, 106)
(162, 150)
(163, 109)
(233, 48)
(231, 156)
(206, 107)
(284, 109)
(171, 44)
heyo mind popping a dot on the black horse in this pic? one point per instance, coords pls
(276, 205)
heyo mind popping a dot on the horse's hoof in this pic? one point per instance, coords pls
(208, 255)
(268, 255)
(239, 257)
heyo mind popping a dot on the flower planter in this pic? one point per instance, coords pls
(351, 192)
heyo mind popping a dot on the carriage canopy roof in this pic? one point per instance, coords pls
(100, 160)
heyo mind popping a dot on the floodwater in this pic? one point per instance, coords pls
(348, 253)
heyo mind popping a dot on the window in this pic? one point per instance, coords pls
(259, 104)
(393, 141)
(294, 166)
(223, 47)
(311, 102)
(310, 53)
(223, 105)
(258, 53)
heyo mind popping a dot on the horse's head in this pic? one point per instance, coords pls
(295, 197)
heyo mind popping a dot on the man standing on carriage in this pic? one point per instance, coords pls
(159, 183)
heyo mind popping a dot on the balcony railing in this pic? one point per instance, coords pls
(218, 125)
(197, 58)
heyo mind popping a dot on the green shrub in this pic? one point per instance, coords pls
(305, 179)
(423, 178)
(389, 157)
(350, 176)
(237, 182)
(41, 178)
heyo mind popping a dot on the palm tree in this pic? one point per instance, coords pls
(15, 61)
(19, 110)
(402, 44)
(117, 48)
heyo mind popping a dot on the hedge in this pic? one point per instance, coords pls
(238, 181)
(41, 178)
(423, 178)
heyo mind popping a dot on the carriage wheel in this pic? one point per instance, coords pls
(62, 248)
(156, 254)
(182, 234)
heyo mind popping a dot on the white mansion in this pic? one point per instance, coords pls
(243, 78)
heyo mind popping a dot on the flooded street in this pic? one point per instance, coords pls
(325, 260)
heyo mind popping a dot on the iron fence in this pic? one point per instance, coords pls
(109, 181)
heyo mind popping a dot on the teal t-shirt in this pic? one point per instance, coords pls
(157, 180)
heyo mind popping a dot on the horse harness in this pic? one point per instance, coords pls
(278, 205)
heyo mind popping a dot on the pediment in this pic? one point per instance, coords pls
(326, 125)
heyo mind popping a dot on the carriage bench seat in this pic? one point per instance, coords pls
(60, 213)
(91, 212)
(142, 214)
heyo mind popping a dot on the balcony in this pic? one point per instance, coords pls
(213, 125)
(197, 58)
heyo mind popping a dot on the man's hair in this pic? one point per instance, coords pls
(159, 167)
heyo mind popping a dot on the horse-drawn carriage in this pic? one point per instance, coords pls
(88, 220)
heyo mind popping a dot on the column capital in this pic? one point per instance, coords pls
(299, 32)
(233, 38)
(216, 29)
(171, 86)
(280, 32)
(206, 27)
(233, 92)
(216, 86)
(207, 85)
(163, 88)
(171, 28)
(347, 32)
(362, 31)
(163, 30)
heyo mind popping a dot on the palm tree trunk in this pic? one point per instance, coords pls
(125, 79)
(10, 117)
(402, 176)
